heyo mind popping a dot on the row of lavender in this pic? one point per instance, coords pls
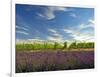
(50, 61)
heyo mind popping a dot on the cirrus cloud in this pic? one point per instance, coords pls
(78, 32)
(54, 35)
(22, 32)
(49, 12)
(22, 28)
(73, 15)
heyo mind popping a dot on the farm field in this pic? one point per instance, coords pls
(52, 59)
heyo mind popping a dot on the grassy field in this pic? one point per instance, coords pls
(35, 57)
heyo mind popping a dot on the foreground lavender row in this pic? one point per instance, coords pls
(51, 61)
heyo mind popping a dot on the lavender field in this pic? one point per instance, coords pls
(53, 38)
(51, 61)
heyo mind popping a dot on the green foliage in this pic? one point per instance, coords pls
(85, 45)
(73, 45)
(65, 45)
(56, 45)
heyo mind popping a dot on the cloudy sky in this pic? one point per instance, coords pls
(54, 23)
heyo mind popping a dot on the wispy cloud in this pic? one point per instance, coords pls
(92, 21)
(52, 30)
(54, 33)
(84, 26)
(55, 39)
(67, 31)
(49, 12)
(22, 28)
(73, 15)
(36, 40)
(55, 36)
(22, 32)
(90, 24)
(78, 34)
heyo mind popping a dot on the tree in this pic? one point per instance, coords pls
(73, 45)
(55, 45)
(65, 45)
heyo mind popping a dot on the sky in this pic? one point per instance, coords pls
(54, 23)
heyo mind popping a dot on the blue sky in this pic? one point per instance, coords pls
(55, 23)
